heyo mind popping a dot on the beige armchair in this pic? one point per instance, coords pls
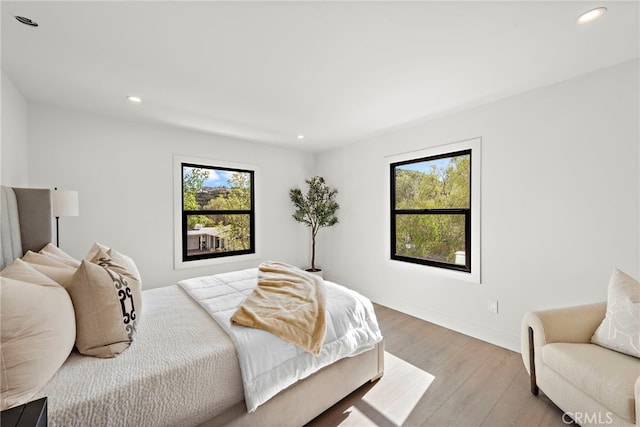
(591, 384)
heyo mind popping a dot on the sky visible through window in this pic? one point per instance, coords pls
(217, 177)
(425, 167)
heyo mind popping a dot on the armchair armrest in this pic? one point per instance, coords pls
(571, 324)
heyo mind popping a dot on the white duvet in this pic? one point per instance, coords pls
(268, 363)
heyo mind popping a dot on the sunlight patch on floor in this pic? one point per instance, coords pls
(392, 399)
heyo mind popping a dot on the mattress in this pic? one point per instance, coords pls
(268, 363)
(181, 369)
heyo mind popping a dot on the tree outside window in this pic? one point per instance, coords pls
(431, 210)
(218, 215)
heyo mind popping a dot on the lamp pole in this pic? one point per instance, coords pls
(57, 226)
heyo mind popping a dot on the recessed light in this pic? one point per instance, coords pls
(300, 136)
(26, 21)
(591, 15)
(135, 99)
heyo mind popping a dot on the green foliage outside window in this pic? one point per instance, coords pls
(193, 180)
(237, 228)
(432, 197)
(226, 207)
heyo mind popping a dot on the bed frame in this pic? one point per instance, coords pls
(26, 218)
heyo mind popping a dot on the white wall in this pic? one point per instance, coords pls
(123, 172)
(560, 199)
(560, 206)
(13, 145)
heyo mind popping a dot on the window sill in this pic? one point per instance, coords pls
(436, 271)
(180, 265)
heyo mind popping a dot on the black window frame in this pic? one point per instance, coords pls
(186, 213)
(440, 211)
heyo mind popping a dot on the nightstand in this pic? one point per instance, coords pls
(32, 414)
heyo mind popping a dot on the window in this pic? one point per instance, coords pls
(434, 215)
(218, 211)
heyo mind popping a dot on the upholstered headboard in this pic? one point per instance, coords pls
(26, 221)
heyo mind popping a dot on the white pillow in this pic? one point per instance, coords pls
(620, 329)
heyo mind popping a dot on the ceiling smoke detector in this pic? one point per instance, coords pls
(26, 21)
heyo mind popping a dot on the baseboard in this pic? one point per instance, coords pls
(481, 332)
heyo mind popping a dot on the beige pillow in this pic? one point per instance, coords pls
(95, 248)
(38, 331)
(70, 262)
(56, 270)
(117, 257)
(54, 250)
(36, 258)
(126, 262)
(24, 272)
(107, 301)
(59, 255)
(61, 275)
(620, 329)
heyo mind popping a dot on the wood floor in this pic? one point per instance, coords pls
(438, 377)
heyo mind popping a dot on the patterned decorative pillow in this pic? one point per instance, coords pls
(95, 248)
(38, 331)
(117, 257)
(107, 299)
(620, 329)
(126, 262)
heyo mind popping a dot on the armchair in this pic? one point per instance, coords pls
(591, 384)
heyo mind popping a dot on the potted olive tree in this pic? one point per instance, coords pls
(316, 209)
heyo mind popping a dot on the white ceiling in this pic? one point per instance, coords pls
(333, 71)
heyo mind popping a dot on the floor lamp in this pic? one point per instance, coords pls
(65, 203)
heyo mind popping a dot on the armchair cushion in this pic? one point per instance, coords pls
(606, 376)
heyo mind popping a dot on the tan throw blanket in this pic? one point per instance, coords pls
(289, 303)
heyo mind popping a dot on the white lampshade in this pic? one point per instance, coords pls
(65, 203)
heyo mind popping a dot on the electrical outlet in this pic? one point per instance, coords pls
(493, 306)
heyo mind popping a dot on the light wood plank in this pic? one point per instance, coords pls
(472, 402)
(451, 377)
(518, 407)
(438, 377)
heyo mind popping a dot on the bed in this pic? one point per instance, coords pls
(181, 368)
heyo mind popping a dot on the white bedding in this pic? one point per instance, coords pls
(268, 363)
(181, 369)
